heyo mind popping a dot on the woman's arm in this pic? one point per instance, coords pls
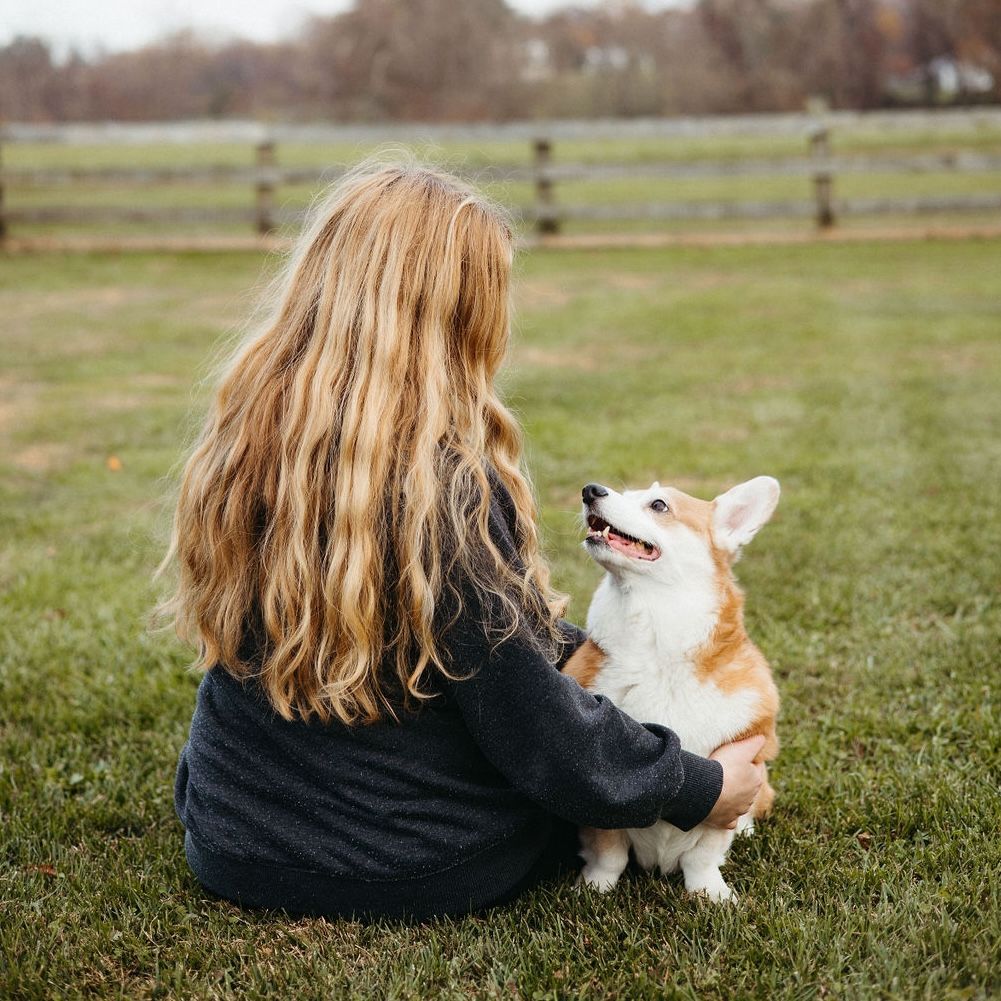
(575, 753)
(572, 752)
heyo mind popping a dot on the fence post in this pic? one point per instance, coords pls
(265, 186)
(546, 219)
(820, 151)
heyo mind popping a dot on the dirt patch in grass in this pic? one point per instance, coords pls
(706, 280)
(42, 457)
(19, 306)
(7, 413)
(223, 311)
(10, 411)
(143, 244)
(591, 358)
(633, 282)
(92, 321)
(742, 385)
(115, 402)
(16, 403)
(546, 358)
(542, 294)
(156, 380)
(954, 360)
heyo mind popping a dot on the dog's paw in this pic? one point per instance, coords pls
(715, 890)
(596, 878)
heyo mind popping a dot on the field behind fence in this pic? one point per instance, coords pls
(640, 176)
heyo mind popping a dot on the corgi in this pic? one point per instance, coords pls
(667, 645)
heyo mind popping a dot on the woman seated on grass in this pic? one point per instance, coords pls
(382, 729)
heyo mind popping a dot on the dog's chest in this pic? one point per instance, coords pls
(672, 694)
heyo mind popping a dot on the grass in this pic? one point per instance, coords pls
(864, 377)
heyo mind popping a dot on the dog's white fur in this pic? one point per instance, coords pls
(650, 616)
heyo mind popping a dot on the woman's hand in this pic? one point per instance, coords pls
(742, 779)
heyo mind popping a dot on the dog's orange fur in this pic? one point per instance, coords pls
(585, 663)
(728, 658)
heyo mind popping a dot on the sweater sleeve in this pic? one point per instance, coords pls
(574, 753)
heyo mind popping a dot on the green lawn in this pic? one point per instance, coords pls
(865, 377)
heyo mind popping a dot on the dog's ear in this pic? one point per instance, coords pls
(740, 512)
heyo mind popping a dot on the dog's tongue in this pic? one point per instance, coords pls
(629, 548)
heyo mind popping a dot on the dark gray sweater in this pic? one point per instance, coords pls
(445, 812)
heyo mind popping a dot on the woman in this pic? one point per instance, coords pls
(382, 729)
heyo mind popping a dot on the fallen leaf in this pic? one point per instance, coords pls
(42, 870)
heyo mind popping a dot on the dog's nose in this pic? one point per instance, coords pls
(592, 492)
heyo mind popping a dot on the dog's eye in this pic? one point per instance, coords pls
(659, 506)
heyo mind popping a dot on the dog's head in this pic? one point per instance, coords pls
(664, 534)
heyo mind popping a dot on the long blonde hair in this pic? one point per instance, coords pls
(340, 485)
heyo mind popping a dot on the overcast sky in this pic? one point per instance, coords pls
(123, 24)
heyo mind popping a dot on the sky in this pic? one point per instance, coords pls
(92, 25)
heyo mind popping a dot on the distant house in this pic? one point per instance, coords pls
(536, 61)
(599, 58)
(942, 80)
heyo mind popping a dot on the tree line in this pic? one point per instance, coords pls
(386, 60)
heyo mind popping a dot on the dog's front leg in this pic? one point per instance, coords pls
(605, 855)
(701, 865)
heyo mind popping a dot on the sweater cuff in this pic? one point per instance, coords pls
(699, 791)
(573, 638)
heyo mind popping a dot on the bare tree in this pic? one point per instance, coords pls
(476, 60)
(413, 59)
(28, 81)
(979, 38)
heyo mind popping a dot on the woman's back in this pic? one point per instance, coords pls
(387, 803)
(398, 739)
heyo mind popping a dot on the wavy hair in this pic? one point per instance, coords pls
(341, 483)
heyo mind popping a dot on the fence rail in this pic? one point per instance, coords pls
(820, 166)
(934, 163)
(778, 209)
(953, 121)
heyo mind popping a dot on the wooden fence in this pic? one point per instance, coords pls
(819, 166)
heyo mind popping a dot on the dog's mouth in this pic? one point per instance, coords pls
(600, 532)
